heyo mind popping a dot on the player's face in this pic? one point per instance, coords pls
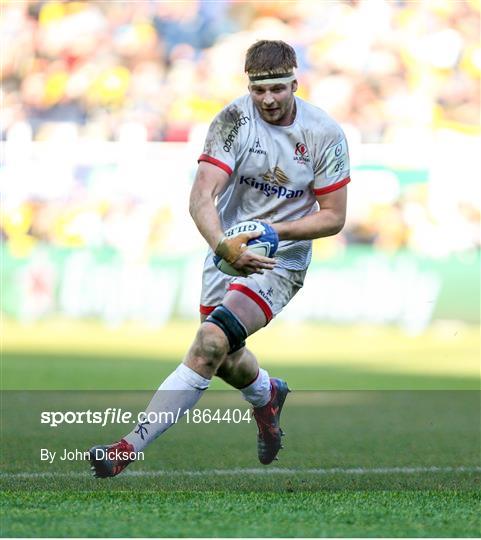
(275, 102)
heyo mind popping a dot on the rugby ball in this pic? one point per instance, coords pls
(266, 244)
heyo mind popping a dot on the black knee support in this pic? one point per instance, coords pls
(231, 326)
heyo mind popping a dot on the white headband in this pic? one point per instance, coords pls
(272, 78)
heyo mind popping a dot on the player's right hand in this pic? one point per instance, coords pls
(235, 251)
(250, 263)
(231, 249)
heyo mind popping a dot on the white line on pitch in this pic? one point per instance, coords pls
(257, 471)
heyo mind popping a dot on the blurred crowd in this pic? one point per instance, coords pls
(389, 71)
(141, 228)
(153, 70)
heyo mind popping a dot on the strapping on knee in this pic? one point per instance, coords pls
(232, 327)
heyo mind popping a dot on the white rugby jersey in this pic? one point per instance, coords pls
(276, 171)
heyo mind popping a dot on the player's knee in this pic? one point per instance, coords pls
(226, 368)
(229, 323)
(211, 346)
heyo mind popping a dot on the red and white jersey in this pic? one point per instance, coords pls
(276, 171)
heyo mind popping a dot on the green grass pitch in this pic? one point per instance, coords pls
(379, 452)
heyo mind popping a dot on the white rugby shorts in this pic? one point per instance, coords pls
(271, 291)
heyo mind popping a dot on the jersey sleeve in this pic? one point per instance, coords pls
(222, 142)
(332, 168)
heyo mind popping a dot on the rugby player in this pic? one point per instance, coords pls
(267, 156)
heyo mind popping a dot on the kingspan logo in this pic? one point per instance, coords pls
(269, 190)
(229, 140)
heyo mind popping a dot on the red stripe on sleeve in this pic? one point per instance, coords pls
(253, 296)
(210, 159)
(334, 187)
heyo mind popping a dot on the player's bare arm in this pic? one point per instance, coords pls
(209, 182)
(327, 221)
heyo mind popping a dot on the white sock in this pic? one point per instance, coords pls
(259, 391)
(179, 392)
